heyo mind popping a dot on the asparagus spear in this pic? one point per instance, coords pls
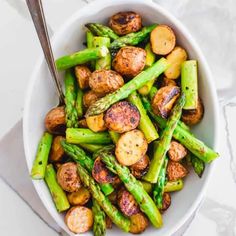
(182, 135)
(189, 84)
(85, 161)
(152, 92)
(89, 38)
(79, 103)
(158, 188)
(145, 123)
(114, 136)
(115, 215)
(40, 162)
(134, 187)
(91, 147)
(82, 135)
(147, 186)
(81, 57)
(164, 143)
(102, 30)
(99, 220)
(58, 195)
(104, 103)
(198, 164)
(105, 62)
(172, 186)
(132, 38)
(70, 100)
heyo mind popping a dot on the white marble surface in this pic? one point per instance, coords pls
(212, 23)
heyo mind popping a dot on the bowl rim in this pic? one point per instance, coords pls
(191, 40)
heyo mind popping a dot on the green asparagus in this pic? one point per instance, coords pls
(81, 57)
(132, 38)
(58, 195)
(114, 136)
(145, 124)
(164, 143)
(41, 160)
(102, 30)
(147, 186)
(89, 39)
(104, 103)
(79, 103)
(152, 92)
(90, 147)
(172, 186)
(198, 164)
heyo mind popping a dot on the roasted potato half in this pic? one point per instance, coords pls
(129, 61)
(79, 219)
(104, 81)
(122, 117)
(131, 147)
(177, 151)
(166, 202)
(139, 223)
(89, 98)
(175, 171)
(81, 197)
(68, 178)
(82, 74)
(125, 22)
(96, 123)
(192, 117)
(127, 203)
(140, 168)
(164, 100)
(55, 120)
(57, 150)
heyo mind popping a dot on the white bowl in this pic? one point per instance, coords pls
(41, 97)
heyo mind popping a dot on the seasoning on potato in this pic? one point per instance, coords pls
(131, 147)
(89, 98)
(129, 61)
(122, 117)
(79, 219)
(81, 197)
(96, 123)
(125, 22)
(175, 171)
(57, 151)
(139, 223)
(177, 151)
(68, 178)
(82, 74)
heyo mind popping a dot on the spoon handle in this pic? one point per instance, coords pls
(37, 14)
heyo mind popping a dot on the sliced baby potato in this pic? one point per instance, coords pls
(166, 202)
(139, 169)
(122, 117)
(131, 147)
(82, 74)
(89, 98)
(139, 223)
(81, 197)
(57, 150)
(175, 59)
(96, 123)
(162, 40)
(164, 100)
(177, 151)
(79, 219)
(68, 178)
(175, 171)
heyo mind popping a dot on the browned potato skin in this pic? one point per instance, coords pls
(139, 223)
(127, 203)
(139, 169)
(104, 81)
(192, 117)
(82, 123)
(82, 74)
(129, 61)
(89, 98)
(175, 171)
(177, 151)
(108, 222)
(57, 150)
(122, 117)
(164, 100)
(167, 82)
(125, 22)
(96, 123)
(100, 173)
(79, 219)
(68, 178)
(166, 202)
(81, 197)
(131, 147)
(113, 197)
(55, 121)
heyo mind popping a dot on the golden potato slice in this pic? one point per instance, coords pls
(79, 219)
(68, 178)
(139, 169)
(105, 81)
(175, 59)
(82, 74)
(139, 223)
(96, 123)
(89, 98)
(129, 61)
(57, 150)
(81, 197)
(125, 22)
(175, 171)
(164, 100)
(131, 147)
(162, 40)
(177, 151)
(166, 202)
(122, 117)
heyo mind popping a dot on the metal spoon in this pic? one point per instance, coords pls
(37, 14)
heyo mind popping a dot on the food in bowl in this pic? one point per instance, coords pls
(133, 146)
